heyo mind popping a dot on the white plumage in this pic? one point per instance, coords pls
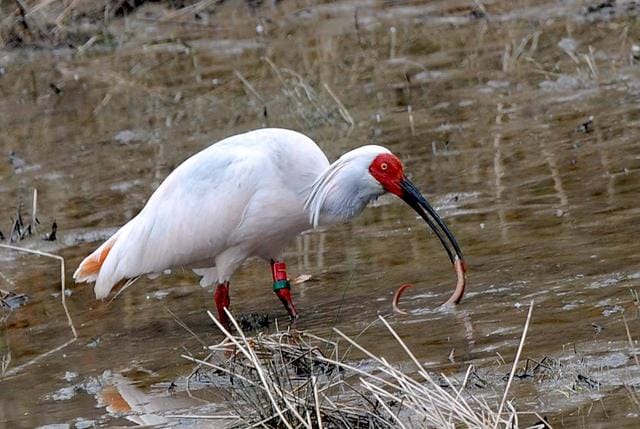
(243, 196)
(250, 195)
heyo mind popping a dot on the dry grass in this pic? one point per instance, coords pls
(48, 23)
(292, 379)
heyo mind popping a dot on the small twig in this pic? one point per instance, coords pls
(314, 382)
(276, 70)
(402, 344)
(515, 365)
(36, 359)
(17, 232)
(6, 360)
(17, 369)
(591, 62)
(185, 327)
(633, 348)
(196, 417)
(343, 110)
(62, 279)
(126, 286)
(385, 406)
(8, 280)
(34, 210)
(89, 43)
(250, 87)
(633, 396)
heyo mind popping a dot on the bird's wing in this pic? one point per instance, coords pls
(188, 218)
(203, 207)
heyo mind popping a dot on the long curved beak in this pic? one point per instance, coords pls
(414, 198)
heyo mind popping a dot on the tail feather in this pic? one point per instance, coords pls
(89, 268)
(132, 251)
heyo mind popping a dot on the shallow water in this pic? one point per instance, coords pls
(522, 131)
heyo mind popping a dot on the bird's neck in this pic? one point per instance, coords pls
(341, 194)
(341, 206)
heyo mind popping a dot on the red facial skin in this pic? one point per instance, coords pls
(387, 169)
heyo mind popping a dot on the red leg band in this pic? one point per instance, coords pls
(281, 287)
(279, 271)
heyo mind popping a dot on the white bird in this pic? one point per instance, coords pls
(250, 195)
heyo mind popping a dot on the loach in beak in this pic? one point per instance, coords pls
(414, 198)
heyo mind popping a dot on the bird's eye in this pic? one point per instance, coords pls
(383, 166)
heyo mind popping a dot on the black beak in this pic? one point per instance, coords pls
(414, 198)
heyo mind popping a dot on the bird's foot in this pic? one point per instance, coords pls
(282, 287)
(284, 293)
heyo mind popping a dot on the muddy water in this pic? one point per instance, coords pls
(521, 127)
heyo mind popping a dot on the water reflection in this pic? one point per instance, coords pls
(120, 396)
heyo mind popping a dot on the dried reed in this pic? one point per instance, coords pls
(292, 379)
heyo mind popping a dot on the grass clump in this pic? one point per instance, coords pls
(292, 379)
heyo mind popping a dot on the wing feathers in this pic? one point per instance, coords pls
(200, 209)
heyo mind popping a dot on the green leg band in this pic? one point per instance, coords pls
(281, 284)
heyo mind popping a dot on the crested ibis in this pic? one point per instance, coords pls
(249, 195)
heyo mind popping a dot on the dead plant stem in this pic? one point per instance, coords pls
(515, 364)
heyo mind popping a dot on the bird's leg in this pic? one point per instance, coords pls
(282, 288)
(221, 296)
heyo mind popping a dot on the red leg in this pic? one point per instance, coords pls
(282, 288)
(221, 296)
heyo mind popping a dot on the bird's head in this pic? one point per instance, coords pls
(388, 170)
(362, 175)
